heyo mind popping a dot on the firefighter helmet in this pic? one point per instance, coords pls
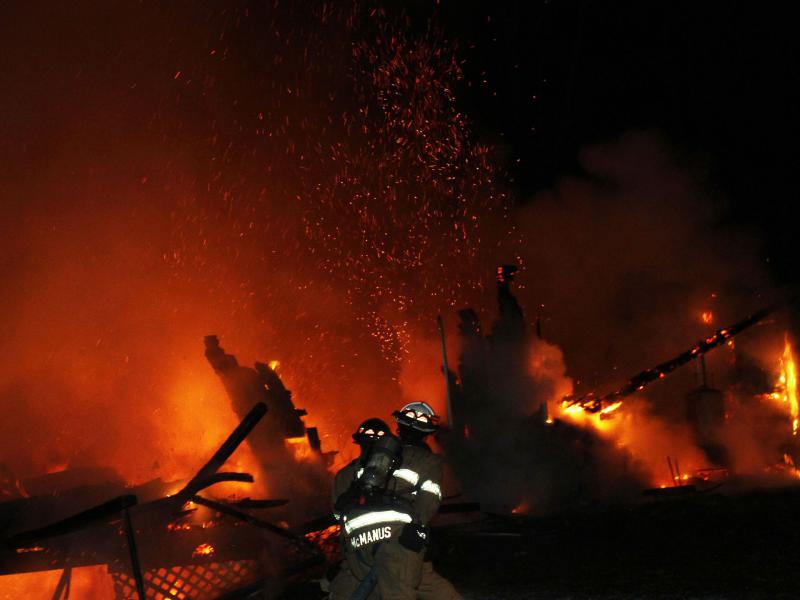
(370, 431)
(418, 416)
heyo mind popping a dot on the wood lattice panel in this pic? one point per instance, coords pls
(191, 582)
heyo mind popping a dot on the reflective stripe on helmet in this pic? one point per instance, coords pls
(431, 487)
(359, 473)
(418, 416)
(408, 475)
(374, 518)
(422, 408)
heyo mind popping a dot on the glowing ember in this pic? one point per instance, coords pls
(203, 550)
(327, 540)
(707, 317)
(319, 537)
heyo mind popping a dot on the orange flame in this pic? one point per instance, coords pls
(785, 391)
(611, 408)
(87, 582)
(644, 435)
(300, 448)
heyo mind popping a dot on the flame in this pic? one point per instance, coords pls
(87, 582)
(707, 317)
(578, 415)
(785, 392)
(300, 448)
(789, 377)
(520, 509)
(203, 550)
(611, 408)
(643, 434)
(274, 364)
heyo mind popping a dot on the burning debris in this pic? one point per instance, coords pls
(290, 455)
(168, 550)
(611, 401)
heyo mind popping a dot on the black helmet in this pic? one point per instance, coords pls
(369, 431)
(418, 416)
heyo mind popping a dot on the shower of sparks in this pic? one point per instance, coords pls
(368, 185)
(409, 190)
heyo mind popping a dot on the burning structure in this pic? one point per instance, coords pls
(561, 452)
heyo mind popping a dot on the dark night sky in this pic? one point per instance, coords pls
(542, 80)
(716, 78)
(546, 77)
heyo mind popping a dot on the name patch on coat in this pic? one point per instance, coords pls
(366, 538)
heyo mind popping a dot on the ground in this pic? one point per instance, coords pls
(707, 547)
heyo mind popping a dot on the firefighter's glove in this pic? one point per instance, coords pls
(414, 537)
(348, 499)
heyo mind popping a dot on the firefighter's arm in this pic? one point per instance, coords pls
(426, 502)
(429, 493)
(342, 484)
(336, 492)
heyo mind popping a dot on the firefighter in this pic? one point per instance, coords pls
(415, 422)
(385, 530)
(345, 495)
